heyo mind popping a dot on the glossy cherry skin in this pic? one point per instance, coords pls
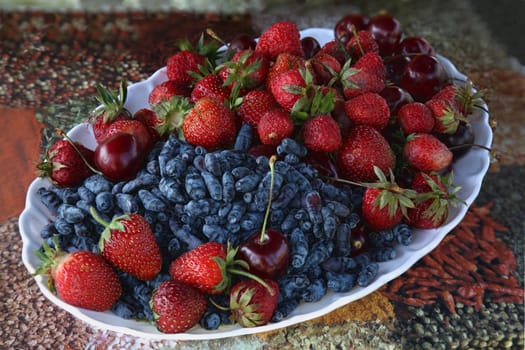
(310, 46)
(345, 27)
(267, 258)
(395, 97)
(423, 77)
(460, 141)
(359, 242)
(242, 42)
(119, 157)
(413, 45)
(386, 31)
(395, 66)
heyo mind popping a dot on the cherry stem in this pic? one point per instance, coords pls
(253, 277)
(271, 163)
(97, 217)
(470, 145)
(61, 133)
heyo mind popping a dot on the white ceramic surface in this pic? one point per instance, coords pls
(469, 172)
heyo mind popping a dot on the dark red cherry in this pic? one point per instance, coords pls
(413, 45)
(359, 242)
(345, 27)
(119, 157)
(460, 141)
(394, 67)
(268, 256)
(423, 77)
(395, 97)
(386, 31)
(310, 46)
(242, 42)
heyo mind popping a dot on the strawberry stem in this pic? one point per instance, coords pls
(253, 277)
(271, 163)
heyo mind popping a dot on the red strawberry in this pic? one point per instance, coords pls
(372, 63)
(463, 97)
(64, 166)
(361, 43)
(321, 133)
(150, 120)
(135, 128)
(356, 81)
(278, 38)
(436, 193)
(246, 70)
(385, 203)
(288, 88)
(254, 104)
(326, 68)
(181, 64)
(204, 267)
(111, 109)
(364, 148)
(166, 90)
(210, 124)
(274, 126)
(81, 278)
(446, 116)
(176, 306)
(170, 115)
(253, 304)
(335, 49)
(415, 117)
(128, 243)
(368, 109)
(211, 85)
(426, 152)
(283, 63)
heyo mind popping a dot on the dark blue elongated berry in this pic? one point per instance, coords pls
(381, 238)
(198, 163)
(287, 193)
(247, 183)
(241, 171)
(237, 211)
(197, 208)
(224, 210)
(185, 235)
(403, 234)
(187, 152)
(71, 213)
(319, 252)
(195, 186)
(367, 274)
(83, 228)
(151, 201)
(63, 227)
(48, 231)
(82, 204)
(215, 233)
(213, 185)
(338, 208)
(211, 320)
(252, 221)
(86, 194)
(340, 282)
(381, 254)
(153, 167)
(127, 203)
(144, 180)
(342, 239)
(67, 195)
(284, 309)
(298, 248)
(313, 204)
(212, 162)
(228, 187)
(175, 167)
(97, 183)
(292, 159)
(291, 146)
(352, 220)
(339, 264)
(49, 198)
(104, 202)
(329, 222)
(292, 285)
(289, 222)
(363, 259)
(172, 190)
(244, 138)
(307, 226)
(315, 291)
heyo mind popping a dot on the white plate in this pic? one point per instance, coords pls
(469, 171)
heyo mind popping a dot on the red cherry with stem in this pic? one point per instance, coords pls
(423, 77)
(413, 45)
(395, 97)
(267, 252)
(344, 28)
(310, 46)
(119, 157)
(386, 31)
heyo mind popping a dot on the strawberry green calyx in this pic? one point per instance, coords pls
(392, 196)
(172, 114)
(115, 224)
(111, 103)
(441, 196)
(314, 100)
(247, 314)
(50, 259)
(210, 49)
(468, 98)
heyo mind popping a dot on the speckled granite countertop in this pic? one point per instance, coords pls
(49, 63)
